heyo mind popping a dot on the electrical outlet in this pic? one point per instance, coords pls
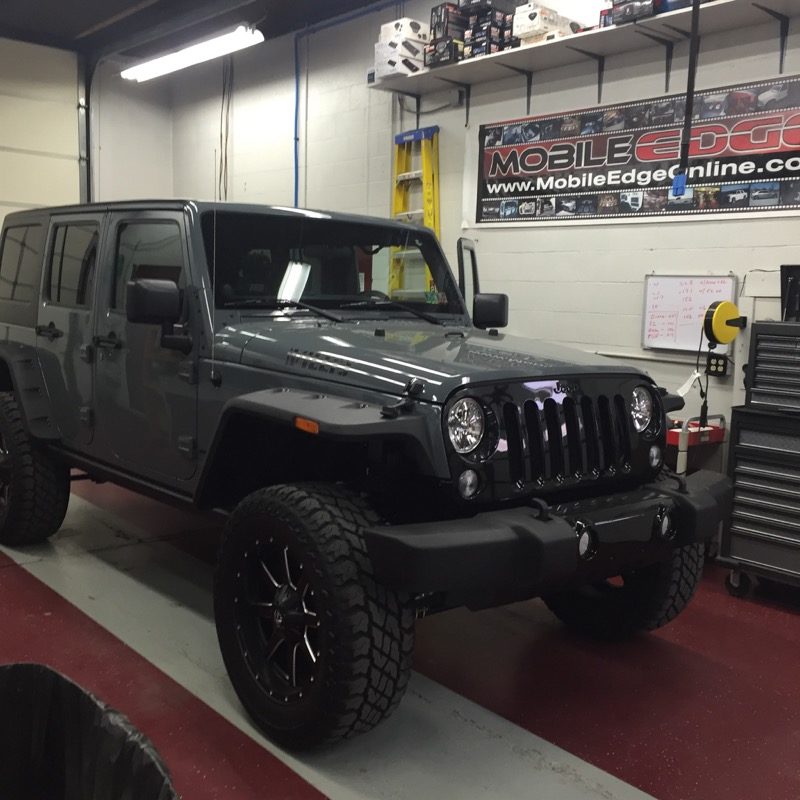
(716, 365)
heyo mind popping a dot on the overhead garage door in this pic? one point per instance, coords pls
(38, 126)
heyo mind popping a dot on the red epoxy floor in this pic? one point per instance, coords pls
(706, 709)
(209, 758)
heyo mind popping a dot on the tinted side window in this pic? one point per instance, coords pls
(147, 250)
(72, 264)
(20, 263)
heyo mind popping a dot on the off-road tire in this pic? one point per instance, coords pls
(34, 487)
(365, 635)
(646, 600)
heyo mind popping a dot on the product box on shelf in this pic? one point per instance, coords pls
(475, 50)
(447, 20)
(487, 16)
(398, 65)
(502, 5)
(483, 33)
(662, 6)
(533, 19)
(606, 20)
(399, 48)
(630, 10)
(444, 51)
(406, 28)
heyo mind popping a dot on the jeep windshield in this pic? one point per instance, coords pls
(312, 264)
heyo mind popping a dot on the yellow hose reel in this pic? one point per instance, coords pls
(723, 322)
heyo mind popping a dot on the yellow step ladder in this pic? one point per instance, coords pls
(416, 164)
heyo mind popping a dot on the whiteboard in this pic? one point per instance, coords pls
(675, 307)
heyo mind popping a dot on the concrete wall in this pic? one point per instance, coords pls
(580, 284)
(38, 126)
(131, 137)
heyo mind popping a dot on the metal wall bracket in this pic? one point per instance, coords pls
(528, 83)
(467, 87)
(417, 100)
(783, 22)
(669, 47)
(601, 69)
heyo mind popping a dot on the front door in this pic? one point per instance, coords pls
(146, 395)
(64, 325)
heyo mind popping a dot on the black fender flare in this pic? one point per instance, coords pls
(337, 418)
(21, 373)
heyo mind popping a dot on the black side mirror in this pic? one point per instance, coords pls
(490, 310)
(154, 302)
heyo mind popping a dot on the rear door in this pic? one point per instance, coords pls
(64, 323)
(146, 394)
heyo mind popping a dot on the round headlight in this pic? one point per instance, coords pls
(465, 425)
(641, 409)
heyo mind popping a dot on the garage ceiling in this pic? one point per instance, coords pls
(142, 28)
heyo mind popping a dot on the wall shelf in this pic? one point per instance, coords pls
(715, 17)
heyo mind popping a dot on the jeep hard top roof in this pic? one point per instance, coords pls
(201, 206)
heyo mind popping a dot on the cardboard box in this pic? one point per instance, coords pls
(444, 51)
(544, 37)
(406, 28)
(472, 5)
(606, 20)
(631, 10)
(483, 33)
(447, 20)
(487, 16)
(533, 19)
(398, 65)
(407, 48)
(475, 50)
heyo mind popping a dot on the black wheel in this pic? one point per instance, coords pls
(636, 601)
(316, 650)
(738, 584)
(34, 487)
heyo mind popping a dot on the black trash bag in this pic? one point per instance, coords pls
(59, 742)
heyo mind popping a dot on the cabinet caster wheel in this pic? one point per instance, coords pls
(738, 584)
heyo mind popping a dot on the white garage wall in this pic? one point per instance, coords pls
(38, 126)
(131, 137)
(576, 284)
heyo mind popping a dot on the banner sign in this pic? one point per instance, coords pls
(619, 161)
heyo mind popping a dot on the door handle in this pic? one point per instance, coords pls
(109, 342)
(49, 331)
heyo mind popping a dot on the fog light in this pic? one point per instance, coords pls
(586, 541)
(655, 456)
(664, 527)
(468, 483)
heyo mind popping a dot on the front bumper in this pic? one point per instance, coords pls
(516, 552)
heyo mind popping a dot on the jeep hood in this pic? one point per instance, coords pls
(383, 356)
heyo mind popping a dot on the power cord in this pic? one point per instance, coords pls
(703, 392)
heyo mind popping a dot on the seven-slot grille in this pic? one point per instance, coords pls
(577, 438)
(774, 370)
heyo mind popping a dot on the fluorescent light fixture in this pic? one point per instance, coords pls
(239, 39)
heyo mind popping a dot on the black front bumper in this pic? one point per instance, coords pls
(517, 552)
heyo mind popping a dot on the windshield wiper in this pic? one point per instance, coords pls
(387, 302)
(261, 302)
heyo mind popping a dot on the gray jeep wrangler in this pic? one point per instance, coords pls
(378, 454)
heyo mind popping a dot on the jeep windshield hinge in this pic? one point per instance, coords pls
(413, 389)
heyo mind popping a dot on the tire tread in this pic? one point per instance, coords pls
(39, 491)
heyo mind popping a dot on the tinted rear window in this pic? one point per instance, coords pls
(73, 263)
(21, 263)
